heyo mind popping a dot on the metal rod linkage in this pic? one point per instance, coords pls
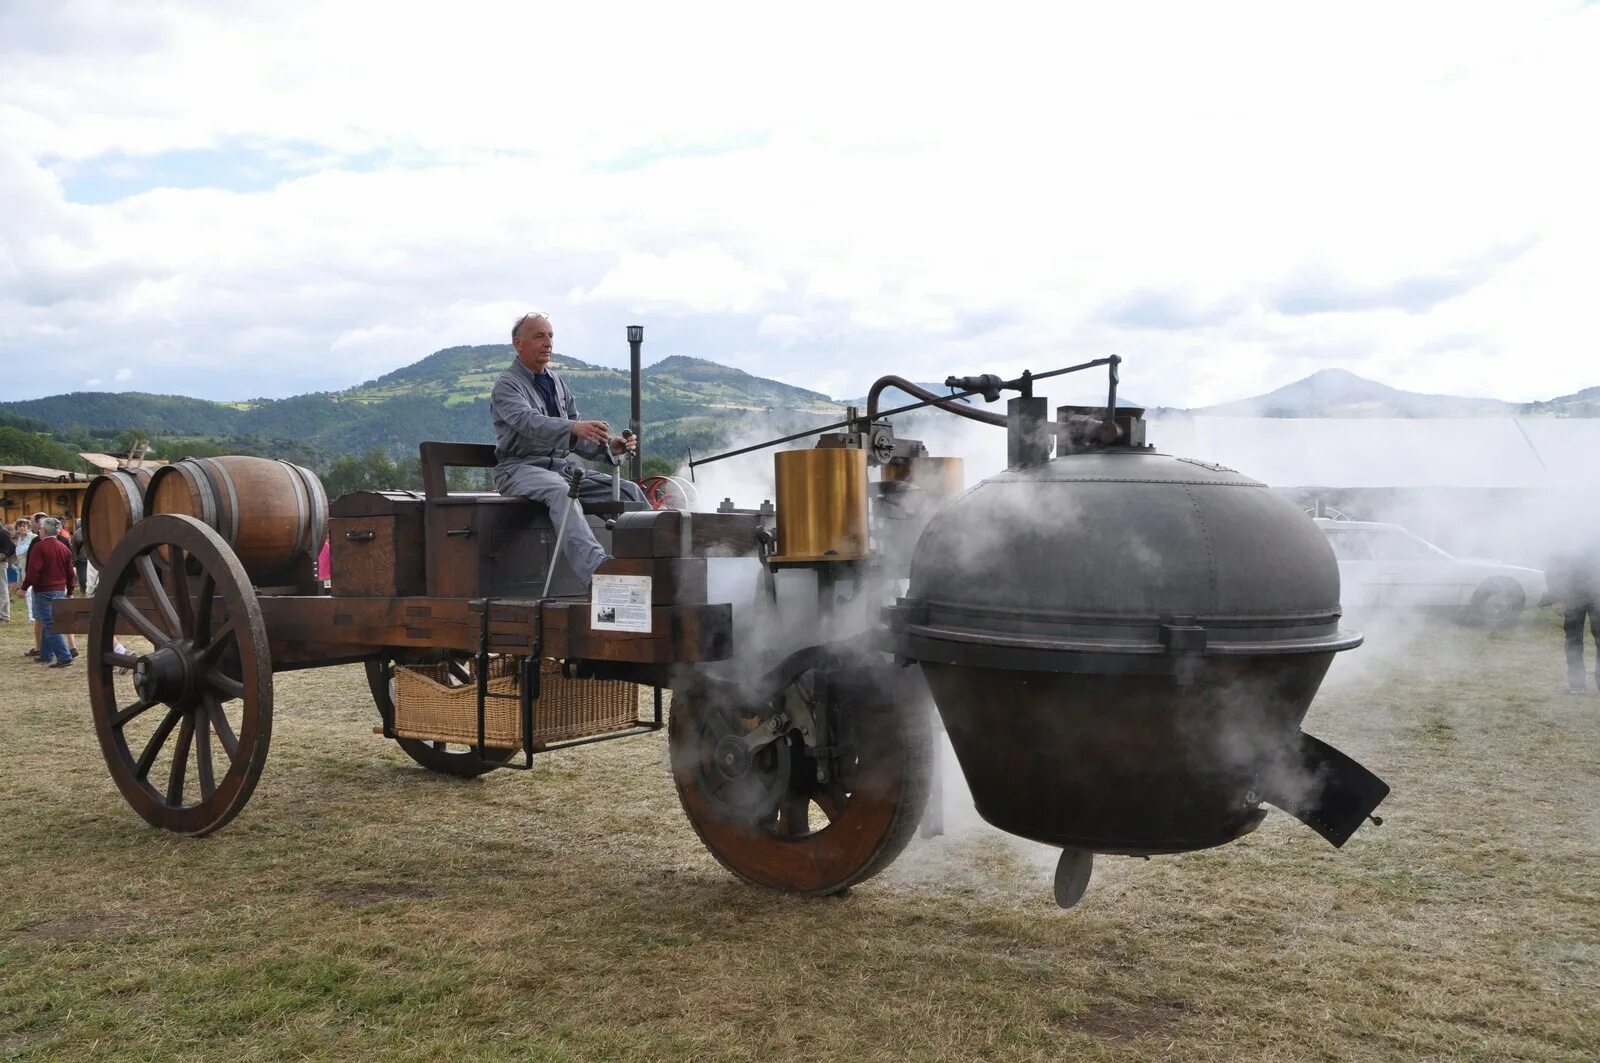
(848, 423)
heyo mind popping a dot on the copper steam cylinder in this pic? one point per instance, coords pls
(822, 504)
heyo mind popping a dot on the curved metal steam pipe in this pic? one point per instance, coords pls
(944, 402)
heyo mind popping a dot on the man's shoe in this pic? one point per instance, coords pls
(62, 663)
(31, 653)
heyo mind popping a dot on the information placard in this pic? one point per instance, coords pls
(620, 603)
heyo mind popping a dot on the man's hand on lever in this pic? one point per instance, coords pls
(627, 442)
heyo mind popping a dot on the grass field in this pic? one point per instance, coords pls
(361, 908)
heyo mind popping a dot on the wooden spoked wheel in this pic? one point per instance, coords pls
(185, 723)
(765, 815)
(446, 758)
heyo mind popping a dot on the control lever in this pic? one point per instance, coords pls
(561, 529)
(616, 464)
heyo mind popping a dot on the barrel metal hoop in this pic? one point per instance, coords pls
(319, 508)
(208, 507)
(133, 500)
(233, 499)
(135, 496)
(301, 531)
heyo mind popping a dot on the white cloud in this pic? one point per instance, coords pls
(1229, 197)
(784, 329)
(123, 375)
(702, 280)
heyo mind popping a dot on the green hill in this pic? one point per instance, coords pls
(687, 403)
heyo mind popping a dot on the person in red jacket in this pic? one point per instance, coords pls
(51, 573)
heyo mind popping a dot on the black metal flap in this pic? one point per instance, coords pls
(1324, 789)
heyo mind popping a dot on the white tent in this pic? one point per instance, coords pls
(1481, 452)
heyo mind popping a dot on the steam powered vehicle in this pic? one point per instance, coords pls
(1385, 566)
(1120, 643)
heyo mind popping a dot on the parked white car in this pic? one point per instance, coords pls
(1385, 566)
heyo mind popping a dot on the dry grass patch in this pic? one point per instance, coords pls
(363, 908)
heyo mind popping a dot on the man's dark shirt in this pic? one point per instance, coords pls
(8, 545)
(547, 392)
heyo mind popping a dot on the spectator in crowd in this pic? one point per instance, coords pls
(33, 601)
(66, 536)
(80, 556)
(35, 525)
(50, 575)
(23, 534)
(8, 572)
(1574, 581)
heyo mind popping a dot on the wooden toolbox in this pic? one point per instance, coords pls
(375, 544)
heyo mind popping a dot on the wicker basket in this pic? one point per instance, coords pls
(428, 707)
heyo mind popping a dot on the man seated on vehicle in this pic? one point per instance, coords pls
(537, 427)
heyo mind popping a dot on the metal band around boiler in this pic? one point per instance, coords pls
(233, 499)
(934, 647)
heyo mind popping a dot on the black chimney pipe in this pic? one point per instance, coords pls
(635, 341)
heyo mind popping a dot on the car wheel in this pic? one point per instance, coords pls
(1497, 602)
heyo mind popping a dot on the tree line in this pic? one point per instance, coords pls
(372, 470)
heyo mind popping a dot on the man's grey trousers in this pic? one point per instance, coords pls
(581, 549)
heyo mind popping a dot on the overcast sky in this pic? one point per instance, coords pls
(261, 199)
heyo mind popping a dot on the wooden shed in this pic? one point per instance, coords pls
(29, 489)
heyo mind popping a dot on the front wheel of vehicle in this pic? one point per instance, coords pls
(1497, 602)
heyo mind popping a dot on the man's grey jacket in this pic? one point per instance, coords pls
(532, 444)
(526, 432)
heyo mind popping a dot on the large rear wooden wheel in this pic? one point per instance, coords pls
(184, 726)
(761, 809)
(446, 758)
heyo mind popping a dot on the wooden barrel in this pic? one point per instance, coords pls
(112, 504)
(272, 513)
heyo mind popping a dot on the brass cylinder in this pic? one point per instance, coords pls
(942, 478)
(822, 504)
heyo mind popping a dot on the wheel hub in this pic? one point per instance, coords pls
(745, 784)
(164, 675)
(732, 759)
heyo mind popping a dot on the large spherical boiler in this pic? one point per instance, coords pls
(1122, 645)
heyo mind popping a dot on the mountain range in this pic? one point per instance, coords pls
(1341, 393)
(689, 405)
